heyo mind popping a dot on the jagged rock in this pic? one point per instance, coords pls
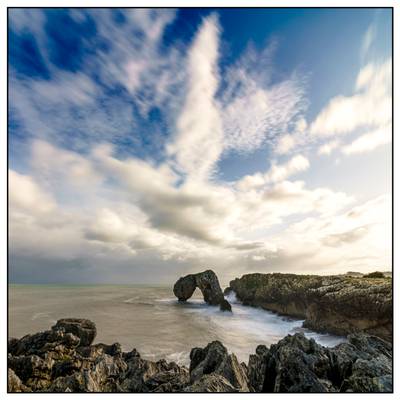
(365, 363)
(335, 304)
(14, 384)
(256, 368)
(298, 364)
(215, 358)
(148, 376)
(84, 329)
(208, 283)
(43, 342)
(294, 364)
(211, 383)
(31, 367)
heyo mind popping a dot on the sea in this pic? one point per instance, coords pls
(151, 320)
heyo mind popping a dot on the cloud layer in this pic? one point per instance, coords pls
(117, 171)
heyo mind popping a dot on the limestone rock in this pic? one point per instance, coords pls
(211, 383)
(215, 358)
(256, 368)
(14, 383)
(336, 304)
(53, 361)
(208, 283)
(84, 329)
(298, 364)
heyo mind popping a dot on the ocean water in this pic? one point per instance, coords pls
(151, 319)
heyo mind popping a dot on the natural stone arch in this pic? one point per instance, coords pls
(208, 283)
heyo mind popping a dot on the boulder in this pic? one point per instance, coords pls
(208, 283)
(42, 342)
(84, 329)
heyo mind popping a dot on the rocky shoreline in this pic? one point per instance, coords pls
(334, 304)
(64, 359)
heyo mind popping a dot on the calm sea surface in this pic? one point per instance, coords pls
(150, 319)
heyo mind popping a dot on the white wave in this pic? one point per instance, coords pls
(131, 300)
(40, 315)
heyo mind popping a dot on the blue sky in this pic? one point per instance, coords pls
(159, 140)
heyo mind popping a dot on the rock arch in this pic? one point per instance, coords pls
(208, 283)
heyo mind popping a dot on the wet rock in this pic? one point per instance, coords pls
(334, 304)
(215, 358)
(84, 329)
(208, 283)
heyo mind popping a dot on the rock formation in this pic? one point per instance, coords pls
(208, 283)
(335, 304)
(297, 364)
(61, 361)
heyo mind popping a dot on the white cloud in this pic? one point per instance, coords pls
(369, 141)
(26, 194)
(368, 40)
(198, 143)
(328, 147)
(91, 205)
(370, 106)
(280, 172)
(255, 111)
(276, 173)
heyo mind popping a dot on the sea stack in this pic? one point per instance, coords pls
(208, 283)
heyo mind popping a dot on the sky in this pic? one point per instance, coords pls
(146, 144)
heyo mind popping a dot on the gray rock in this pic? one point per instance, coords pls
(14, 384)
(297, 364)
(215, 358)
(335, 304)
(43, 342)
(211, 383)
(294, 364)
(84, 329)
(208, 283)
(256, 368)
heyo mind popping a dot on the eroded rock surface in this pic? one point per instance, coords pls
(335, 304)
(208, 283)
(55, 361)
(214, 358)
(298, 364)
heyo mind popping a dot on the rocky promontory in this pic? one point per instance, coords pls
(334, 304)
(64, 359)
(208, 283)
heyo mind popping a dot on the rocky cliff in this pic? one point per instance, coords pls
(335, 304)
(64, 359)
